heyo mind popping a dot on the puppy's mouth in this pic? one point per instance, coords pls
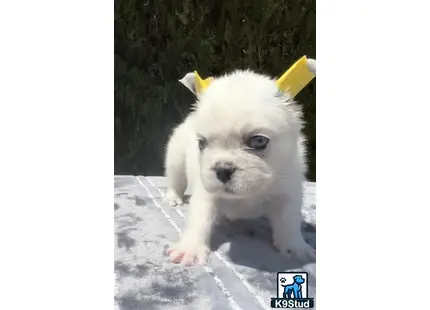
(228, 192)
(232, 185)
(227, 189)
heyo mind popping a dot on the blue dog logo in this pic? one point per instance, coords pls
(294, 288)
(292, 291)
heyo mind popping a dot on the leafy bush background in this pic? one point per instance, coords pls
(158, 42)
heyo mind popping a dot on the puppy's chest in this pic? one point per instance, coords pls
(240, 210)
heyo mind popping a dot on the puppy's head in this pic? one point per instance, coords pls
(247, 132)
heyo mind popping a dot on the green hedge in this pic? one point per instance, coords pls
(158, 42)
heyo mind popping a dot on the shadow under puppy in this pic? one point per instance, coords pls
(242, 154)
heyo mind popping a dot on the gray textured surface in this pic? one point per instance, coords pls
(240, 275)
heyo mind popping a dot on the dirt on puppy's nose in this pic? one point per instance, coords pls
(224, 171)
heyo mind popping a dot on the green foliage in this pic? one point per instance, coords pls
(158, 42)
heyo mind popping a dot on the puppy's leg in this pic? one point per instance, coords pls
(175, 166)
(194, 242)
(285, 216)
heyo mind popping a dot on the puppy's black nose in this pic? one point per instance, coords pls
(224, 171)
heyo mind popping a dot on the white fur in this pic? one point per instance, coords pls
(233, 108)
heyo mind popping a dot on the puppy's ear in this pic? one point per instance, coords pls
(298, 76)
(195, 83)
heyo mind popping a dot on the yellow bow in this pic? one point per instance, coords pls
(292, 81)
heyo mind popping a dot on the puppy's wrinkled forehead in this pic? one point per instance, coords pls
(240, 103)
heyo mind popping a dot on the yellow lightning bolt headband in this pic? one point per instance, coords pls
(296, 78)
(201, 84)
(292, 81)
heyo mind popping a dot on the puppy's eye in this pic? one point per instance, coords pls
(202, 143)
(258, 142)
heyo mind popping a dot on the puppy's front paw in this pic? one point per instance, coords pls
(173, 199)
(297, 247)
(188, 253)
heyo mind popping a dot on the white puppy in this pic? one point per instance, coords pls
(242, 154)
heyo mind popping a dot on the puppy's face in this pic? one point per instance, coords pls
(245, 134)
